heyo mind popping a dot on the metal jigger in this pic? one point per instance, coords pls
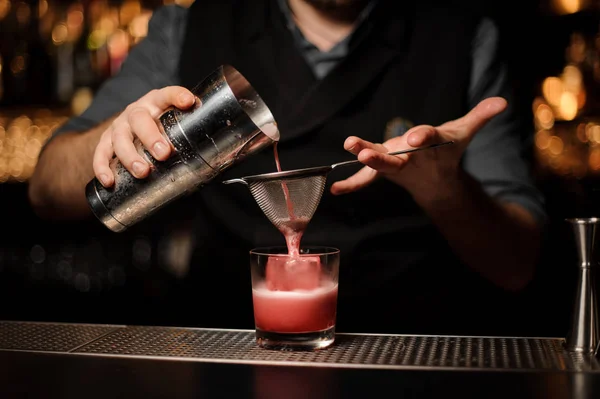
(584, 335)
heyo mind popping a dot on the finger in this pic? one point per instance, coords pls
(157, 101)
(481, 114)
(354, 145)
(144, 127)
(421, 135)
(360, 179)
(382, 162)
(122, 141)
(101, 160)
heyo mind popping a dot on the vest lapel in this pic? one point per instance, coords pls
(342, 85)
(270, 60)
(336, 90)
(300, 103)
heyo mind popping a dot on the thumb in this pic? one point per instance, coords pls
(475, 119)
(359, 180)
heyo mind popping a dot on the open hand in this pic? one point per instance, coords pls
(424, 171)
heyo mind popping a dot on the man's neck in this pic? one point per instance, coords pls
(323, 28)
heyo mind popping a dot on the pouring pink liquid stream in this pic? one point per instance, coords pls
(294, 297)
(294, 229)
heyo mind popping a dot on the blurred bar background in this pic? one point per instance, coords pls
(54, 54)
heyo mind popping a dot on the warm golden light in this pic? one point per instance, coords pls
(567, 6)
(544, 116)
(139, 25)
(21, 140)
(594, 159)
(184, 3)
(96, 39)
(4, 8)
(572, 78)
(581, 133)
(542, 139)
(595, 133)
(60, 34)
(107, 24)
(581, 97)
(118, 44)
(588, 131)
(568, 106)
(81, 100)
(556, 145)
(128, 11)
(42, 8)
(32, 148)
(15, 167)
(4, 176)
(74, 18)
(552, 89)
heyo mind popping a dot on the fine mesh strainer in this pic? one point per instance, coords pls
(290, 198)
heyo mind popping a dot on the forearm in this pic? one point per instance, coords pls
(500, 241)
(57, 187)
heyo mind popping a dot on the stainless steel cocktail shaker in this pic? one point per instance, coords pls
(229, 122)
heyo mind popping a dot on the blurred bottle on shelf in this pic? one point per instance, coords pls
(26, 68)
(567, 112)
(71, 53)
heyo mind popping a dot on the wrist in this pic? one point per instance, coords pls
(442, 194)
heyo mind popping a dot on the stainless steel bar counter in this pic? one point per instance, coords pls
(88, 361)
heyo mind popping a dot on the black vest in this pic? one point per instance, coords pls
(414, 65)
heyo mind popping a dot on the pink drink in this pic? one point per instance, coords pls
(295, 311)
(294, 298)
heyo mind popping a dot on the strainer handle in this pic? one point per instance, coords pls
(230, 181)
(395, 153)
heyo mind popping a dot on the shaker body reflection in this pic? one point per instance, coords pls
(229, 122)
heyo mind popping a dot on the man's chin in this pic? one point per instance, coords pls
(337, 4)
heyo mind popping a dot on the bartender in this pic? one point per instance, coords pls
(423, 237)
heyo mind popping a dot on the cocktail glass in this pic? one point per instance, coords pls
(295, 298)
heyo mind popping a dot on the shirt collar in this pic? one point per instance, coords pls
(299, 37)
